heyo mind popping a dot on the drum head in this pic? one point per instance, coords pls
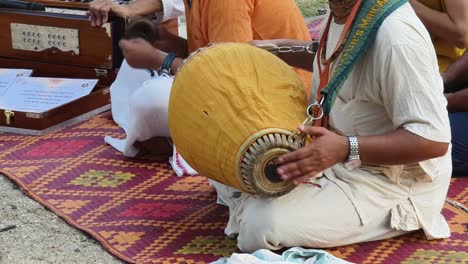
(258, 162)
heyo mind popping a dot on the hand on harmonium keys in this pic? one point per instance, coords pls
(99, 11)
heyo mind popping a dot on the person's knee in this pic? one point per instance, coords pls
(259, 229)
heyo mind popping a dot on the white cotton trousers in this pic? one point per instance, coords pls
(308, 217)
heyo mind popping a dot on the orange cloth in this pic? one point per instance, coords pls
(211, 21)
(446, 53)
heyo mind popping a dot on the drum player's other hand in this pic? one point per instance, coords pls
(327, 149)
(139, 53)
(99, 10)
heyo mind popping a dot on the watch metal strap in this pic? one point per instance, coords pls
(353, 148)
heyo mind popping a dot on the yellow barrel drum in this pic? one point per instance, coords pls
(231, 110)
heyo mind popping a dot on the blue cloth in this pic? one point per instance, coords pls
(459, 126)
(292, 256)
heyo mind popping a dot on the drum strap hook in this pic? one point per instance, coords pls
(314, 113)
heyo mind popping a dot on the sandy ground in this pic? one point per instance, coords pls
(39, 236)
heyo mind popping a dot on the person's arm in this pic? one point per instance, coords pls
(456, 75)
(451, 26)
(99, 10)
(458, 102)
(411, 148)
(328, 148)
(142, 55)
(168, 42)
(415, 106)
(303, 60)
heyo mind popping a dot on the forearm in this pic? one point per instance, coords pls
(441, 25)
(456, 75)
(169, 42)
(143, 8)
(398, 147)
(159, 57)
(302, 60)
(458, 102)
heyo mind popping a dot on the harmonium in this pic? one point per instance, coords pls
(59, 42)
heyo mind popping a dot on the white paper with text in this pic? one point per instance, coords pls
(37, 95)
(8, 77)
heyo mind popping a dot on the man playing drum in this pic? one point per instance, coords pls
(384, 162)
(380, 162)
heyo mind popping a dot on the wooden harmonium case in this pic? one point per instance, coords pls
(59, 42)
(33, 123)
(62, 34)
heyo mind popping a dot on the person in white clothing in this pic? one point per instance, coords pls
(140, 102)
(132, 108)
(390, 115)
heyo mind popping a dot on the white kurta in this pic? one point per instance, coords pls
(140, 102)
(395, 85)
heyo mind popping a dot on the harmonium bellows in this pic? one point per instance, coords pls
(61, 35)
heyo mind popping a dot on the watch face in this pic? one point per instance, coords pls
(352, 164)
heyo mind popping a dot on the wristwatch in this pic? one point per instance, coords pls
(353, 159)
(166, 65)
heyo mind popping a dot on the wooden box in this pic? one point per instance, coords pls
(61, 43)
(65, 38)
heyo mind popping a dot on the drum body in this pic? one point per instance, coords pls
(231, 110)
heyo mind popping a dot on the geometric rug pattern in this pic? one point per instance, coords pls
(142, 212)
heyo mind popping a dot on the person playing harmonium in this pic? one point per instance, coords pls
(378, 164)
(139, 102)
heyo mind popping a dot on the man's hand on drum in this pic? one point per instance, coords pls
(141, 54)
(99, 11)
(327, 149)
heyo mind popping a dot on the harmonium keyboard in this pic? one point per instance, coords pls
(60, 42)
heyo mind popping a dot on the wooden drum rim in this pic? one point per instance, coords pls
(270, 143)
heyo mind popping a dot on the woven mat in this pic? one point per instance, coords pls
(141, 212)
(314, 24)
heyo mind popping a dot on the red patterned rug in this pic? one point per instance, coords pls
(141, 212)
